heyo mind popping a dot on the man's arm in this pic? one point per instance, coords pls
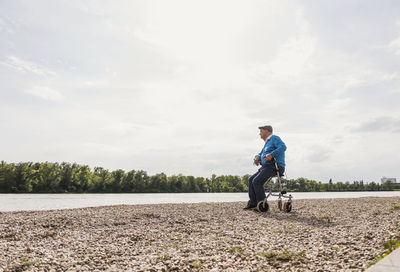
(280, 147)
(257, 160)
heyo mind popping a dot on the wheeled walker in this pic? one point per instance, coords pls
(263, 205)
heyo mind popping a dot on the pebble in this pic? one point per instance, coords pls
(318, 235)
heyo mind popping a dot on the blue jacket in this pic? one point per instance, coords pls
(276, 147)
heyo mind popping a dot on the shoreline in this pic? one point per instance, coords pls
(145, 193)
(343, 234)
(32, 202)
(273, 200)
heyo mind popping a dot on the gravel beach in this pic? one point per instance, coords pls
(318, 235)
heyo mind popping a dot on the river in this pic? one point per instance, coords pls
(26, 202)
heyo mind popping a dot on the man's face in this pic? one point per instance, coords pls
(264, 134)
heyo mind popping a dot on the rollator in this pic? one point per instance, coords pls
(263, 205)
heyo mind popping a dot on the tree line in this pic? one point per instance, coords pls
(307, 185)
(47, 177)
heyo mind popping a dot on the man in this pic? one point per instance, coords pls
(274, 148)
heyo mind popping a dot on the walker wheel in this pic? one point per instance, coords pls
(280, 204)
(288, 207)
(262, 206)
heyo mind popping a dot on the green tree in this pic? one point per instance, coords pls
(82, 179)
(128, 183)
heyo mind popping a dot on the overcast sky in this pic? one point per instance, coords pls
(181, 86)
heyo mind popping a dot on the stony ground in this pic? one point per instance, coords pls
(318, 235)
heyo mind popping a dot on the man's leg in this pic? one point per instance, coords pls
(258, 182)
(252, 192)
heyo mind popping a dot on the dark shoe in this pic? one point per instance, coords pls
(249, 206)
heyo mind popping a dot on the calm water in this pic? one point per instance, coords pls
(23, 202)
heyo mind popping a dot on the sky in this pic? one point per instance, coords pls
(181, 87)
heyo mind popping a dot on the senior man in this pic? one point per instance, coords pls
(274, 148)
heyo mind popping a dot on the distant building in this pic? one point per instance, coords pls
(391, 180)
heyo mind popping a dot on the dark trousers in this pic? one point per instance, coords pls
(257, 181)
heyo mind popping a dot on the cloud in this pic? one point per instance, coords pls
(102, 148)
(45, 93)
(391, 76)
(147, 37)
(123, 128)
(319, 155)
(25, 66)
(395, 45)
(2, 24)
(102, 81)
(293, 57)
(380, 124)
(5, 28)
(181, 86)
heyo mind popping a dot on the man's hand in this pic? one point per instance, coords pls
(257, 160)
(268, 157)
